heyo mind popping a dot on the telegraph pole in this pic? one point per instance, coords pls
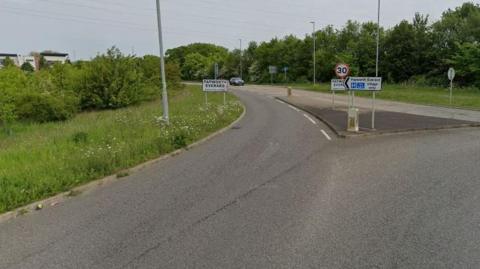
(166, 116)
(314, 52)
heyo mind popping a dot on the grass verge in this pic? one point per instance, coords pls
(41, 160)
(468, 98)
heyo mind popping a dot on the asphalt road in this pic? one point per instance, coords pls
(274, 192)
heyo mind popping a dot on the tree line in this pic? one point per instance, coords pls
(417, 51)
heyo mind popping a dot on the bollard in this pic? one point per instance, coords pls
(289, 91)
(353, 124)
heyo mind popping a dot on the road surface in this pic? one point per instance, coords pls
(277, 191)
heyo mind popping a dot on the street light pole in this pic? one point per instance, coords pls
(376, 62)
(241, 63)
(314, 52)
(166, 116)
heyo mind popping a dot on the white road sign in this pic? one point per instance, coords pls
(342, 70)
(272, 69)
(363, 84)
(451, 74)
(215, 85)
(338, 85)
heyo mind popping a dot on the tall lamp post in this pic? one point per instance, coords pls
(376, 62)
(166, 116)
(241, 63)
(314, 56)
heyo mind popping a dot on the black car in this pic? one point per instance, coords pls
(237, 82)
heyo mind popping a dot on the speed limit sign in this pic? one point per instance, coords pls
(342, 70)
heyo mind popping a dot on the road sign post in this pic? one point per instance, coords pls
(451, 77)
(272, 70)
(364, 84)
(215, 85)
(285, 70)
(341, 71)
(216, 70)
(336, 85)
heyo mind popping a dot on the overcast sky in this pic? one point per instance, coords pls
(83, 28)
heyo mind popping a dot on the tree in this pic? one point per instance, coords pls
(8, 62)
(27, 67)
(400, 52)
(467, 63)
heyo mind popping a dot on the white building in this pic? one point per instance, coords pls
(14, 57)
(52, 57)
(28, 59)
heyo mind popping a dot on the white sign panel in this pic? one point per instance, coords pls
(363, 84)
(215, 85)
(272, 69)
(451, 74)
(338, 85)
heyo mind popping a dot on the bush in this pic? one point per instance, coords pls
(150, 66)
(26, 67)
(113, 81)
(44, 108)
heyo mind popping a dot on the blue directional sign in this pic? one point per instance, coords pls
(363, 84)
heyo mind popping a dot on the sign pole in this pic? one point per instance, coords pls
(373, 112)
(376, 63)
(333, 99)
(451, 77)
(206, 99)
(451, 92)
(224, 98)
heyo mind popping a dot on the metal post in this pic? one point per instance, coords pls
(451, 93)
(241, 62)
(206, 99)
(166, 116)
(314, 56)
(224, 98)
(376, 63)
(333, 99)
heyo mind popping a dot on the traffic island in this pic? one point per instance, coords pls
(386, 122)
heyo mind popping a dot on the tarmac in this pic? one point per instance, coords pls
(386, 122)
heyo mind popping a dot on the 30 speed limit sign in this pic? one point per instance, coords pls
(342, 70)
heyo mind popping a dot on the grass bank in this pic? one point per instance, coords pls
(41, 160)
(468, 98)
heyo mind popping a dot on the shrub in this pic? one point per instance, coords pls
(44, 108)
(26, 67)
(113, 81)
(80, 137)
(179, 141)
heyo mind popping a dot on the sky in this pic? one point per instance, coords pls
(88, 27)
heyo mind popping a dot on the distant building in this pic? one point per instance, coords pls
(13, 57)
(52, 58)
(29, 59)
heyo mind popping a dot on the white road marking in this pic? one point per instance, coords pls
(281, 102)
(310, 119)
(294, 108)
(326, 135)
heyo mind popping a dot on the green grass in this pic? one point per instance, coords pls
(41, 160)
(468, 98)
